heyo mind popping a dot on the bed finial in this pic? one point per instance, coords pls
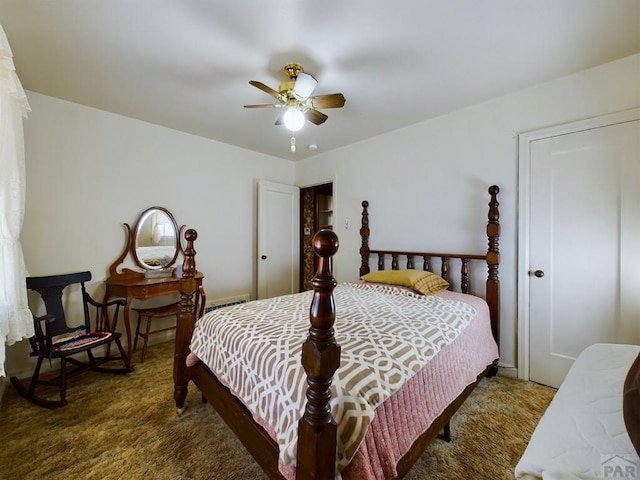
(189, 264)
(320, 358)
(325, 244)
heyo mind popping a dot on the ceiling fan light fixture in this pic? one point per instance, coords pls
(305, 85)
(293, 119)
(295, 96)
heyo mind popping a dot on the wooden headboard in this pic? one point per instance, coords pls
(491, 258)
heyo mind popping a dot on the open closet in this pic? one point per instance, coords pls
(316, 213)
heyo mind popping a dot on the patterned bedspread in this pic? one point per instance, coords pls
(386, 335)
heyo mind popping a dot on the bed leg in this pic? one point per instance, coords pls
(446, 432)
(179, 395)
(493, 370)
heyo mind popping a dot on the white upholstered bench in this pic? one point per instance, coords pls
(582, 434)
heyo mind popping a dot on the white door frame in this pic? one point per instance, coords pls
(524, 214)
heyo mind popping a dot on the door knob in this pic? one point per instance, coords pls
(539, 273)
(264, 257)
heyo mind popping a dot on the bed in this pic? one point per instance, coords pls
(324, 444)
(593, 422)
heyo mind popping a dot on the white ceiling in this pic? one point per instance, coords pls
(185, 64)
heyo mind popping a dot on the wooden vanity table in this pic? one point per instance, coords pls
(141, 288)
(154, 244)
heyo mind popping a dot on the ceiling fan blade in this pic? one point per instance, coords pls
(265, 105)
(315, 117)
(332, 100)
(265, 88)
(305, 85)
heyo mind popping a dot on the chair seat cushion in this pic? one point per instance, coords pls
(81, 341)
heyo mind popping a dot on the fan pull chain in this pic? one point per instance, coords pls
(293, 144)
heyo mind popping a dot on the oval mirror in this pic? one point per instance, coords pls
(155, 239)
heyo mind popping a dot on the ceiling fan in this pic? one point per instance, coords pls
(295, 96)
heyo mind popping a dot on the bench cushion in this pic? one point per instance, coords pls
(584, 422)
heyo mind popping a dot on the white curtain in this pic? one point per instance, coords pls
(16, 322)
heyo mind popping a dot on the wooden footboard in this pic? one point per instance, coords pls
(320, 358)
(255, 439)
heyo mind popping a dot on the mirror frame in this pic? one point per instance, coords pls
(136, 231)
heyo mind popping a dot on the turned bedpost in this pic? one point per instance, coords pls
(185, 322)
(317, 429)
(493, 262)
(364, 235)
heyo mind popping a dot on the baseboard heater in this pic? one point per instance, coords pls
(225, 302)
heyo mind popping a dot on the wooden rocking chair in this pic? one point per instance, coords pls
(57, 340)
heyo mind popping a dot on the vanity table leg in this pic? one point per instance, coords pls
(127, 328)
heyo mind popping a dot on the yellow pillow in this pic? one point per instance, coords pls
(419, 280)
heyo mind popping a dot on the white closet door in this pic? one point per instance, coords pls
(584, 244)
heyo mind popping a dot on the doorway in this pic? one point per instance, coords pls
(577, 235)
(316, 213)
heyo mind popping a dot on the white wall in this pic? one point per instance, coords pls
(89, 171)
(427, 183)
